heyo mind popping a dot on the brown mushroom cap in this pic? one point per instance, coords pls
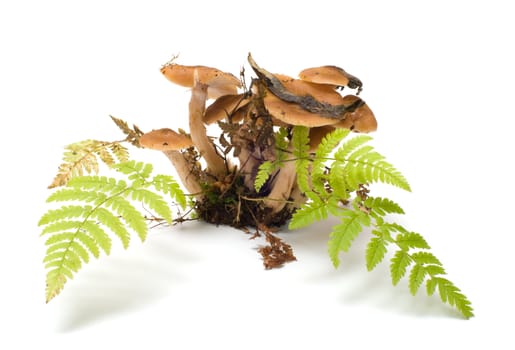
(165, 140)
(361, 120)
(220, 83)
(331, 75)
(224, 105)
(322, 93)
(293, 114)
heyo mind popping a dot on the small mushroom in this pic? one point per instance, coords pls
(206, 82)
(331, 75)
(220, 83)
(170, 143)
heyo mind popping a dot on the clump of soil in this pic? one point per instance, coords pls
(235, 206)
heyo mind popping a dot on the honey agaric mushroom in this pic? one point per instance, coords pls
(331, 75)
(304, 101)
(170, 143)
(206, 82)
(220, 83)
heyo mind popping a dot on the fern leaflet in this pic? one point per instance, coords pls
(399, 263)
(363, 165)
(308, 214)
(343, 234)
(376, 250)
(264, 171)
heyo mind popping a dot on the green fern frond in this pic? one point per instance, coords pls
(425, 266)
(83, 157)
(100, 207)
(335, 180)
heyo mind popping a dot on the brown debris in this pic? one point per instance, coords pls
(276, 253)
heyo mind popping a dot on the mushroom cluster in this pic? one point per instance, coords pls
(249, 118)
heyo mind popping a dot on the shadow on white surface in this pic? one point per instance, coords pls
(122, 283)
(354, 284)
(194, 264)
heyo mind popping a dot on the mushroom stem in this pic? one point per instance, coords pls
(184, 170)
(282, 187)
(206, 148)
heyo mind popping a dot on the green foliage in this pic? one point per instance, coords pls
(340, 172)
(100, 207)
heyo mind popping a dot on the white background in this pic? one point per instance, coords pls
(439, 77)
